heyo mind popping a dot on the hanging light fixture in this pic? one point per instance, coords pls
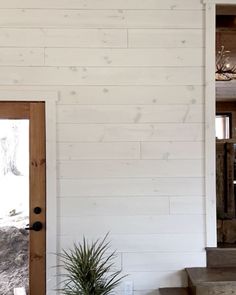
(224, 70)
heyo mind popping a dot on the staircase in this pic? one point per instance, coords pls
(219, 277)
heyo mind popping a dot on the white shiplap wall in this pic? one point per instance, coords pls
(130, 122)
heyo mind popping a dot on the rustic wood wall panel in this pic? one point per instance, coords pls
(130, 122)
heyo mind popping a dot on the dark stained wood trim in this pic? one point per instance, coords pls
(35, 112)
(38, 198)
(14, 110)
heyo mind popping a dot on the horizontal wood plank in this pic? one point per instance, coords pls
(132, 225)
(125, 95)
(114, 95)
(172, 150)
(131, 168)
(101, 76)
(165, 38)
(158, 261)
(125, 206)
(122, 150)
(130, 114)
(147, 243)
(130, 132)
(100, 187)
(153, 280)
(103, 4)
(184, 205)
(22, 94)
(124, 57)
(42, 37)
(29, 18)
(21, 56)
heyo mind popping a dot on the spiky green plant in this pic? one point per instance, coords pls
(89, 269)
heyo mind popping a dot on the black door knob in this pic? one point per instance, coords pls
(36, 226)
(37, 210)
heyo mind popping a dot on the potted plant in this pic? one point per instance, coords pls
(89, 269)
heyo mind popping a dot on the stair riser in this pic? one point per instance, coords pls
(173, 291)
(216, 290)
(221, 258)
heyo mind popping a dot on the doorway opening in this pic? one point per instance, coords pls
(225, 124)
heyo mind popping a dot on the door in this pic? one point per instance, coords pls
(34, 112)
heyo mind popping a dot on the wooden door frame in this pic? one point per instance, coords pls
(210, 98)
(50, 98)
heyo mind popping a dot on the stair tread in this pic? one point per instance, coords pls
(203, 275)
(221, 249)
(173, 291)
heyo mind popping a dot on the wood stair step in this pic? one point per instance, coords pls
(173, 291)
(221, 257)
(203, 275)
(214, 281)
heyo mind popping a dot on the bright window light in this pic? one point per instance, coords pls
(222, 123)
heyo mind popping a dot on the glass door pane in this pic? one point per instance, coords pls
(14, 206)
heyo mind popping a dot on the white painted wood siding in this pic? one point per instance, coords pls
(130, 123)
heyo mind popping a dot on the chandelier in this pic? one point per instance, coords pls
(224, 70)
